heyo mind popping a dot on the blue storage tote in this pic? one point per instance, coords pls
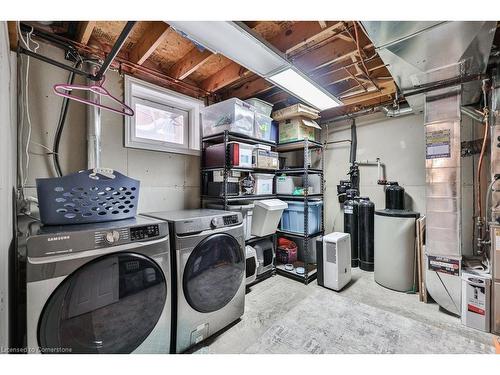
(293, 217)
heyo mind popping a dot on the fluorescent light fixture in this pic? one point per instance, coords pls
(301, 87)
(242, 45)
(235, 42)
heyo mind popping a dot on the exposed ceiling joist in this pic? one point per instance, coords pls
(189, 63)
(252, 88)
(84, 31)
(150, 40)
(328, 54)
(386, 90)
(230, 74)
(260, 85)
(302, 33)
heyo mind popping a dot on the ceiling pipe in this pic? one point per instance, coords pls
(397, 112)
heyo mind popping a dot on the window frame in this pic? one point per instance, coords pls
(138, 91)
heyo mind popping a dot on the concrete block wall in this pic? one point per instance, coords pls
(398, 142)
(168, 181)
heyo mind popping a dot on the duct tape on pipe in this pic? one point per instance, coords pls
(437, 144)
(444, 265)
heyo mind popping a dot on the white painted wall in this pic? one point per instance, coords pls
(7, 171)
(168, 181)
(398, 142)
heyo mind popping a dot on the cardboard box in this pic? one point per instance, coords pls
(265, 159)
(296, 110)
(297, 129)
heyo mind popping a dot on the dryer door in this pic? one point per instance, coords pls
(214, 272)
(109, 305)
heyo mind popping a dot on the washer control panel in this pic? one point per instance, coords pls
(222, 221)
(142, 233)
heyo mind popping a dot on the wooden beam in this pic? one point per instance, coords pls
(84, 31)
(327, 54)
(252, 88)
(301, 33)
(338, 74)
(230, 74)
(13, 37)
(150, 40)
(189, 63)
(322, 24)
(314, 36)
(386, 89)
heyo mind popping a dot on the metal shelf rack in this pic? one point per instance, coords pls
(296, 146)
(225, 138)
(305, 146)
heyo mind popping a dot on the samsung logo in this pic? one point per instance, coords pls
(58, 238)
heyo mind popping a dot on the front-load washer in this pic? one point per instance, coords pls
(99, 288)
(208, 250)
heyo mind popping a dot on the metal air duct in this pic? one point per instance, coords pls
(419, 53)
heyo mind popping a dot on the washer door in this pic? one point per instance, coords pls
(109, 305)
(213, 273)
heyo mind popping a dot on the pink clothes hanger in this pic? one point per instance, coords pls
(63, 89)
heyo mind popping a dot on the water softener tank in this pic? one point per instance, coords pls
(351, 224)
(366, 219)
(394, 197)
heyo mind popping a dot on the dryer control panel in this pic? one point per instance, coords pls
(141, 233)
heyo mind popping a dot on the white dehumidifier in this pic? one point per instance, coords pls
(334, 262)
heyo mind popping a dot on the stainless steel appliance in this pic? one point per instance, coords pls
(209, 258)
(99, 288)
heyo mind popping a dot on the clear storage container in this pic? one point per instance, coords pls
(287, 184)
(232, 114)
(293, 217)
(262, 126)
(261, 106)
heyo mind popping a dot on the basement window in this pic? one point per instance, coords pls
(164, 120)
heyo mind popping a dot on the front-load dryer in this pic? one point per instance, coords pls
(208, 249)
(99, 288)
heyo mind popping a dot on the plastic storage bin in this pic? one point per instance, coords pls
(274, 131)
(262, 126)
(287, 184)
(261, 106)
(266, 216)
(293, 217)
(233, 114)
(263, 183)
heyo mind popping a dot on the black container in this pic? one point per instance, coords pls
(351, 224)
(366, 220)
(394, 197)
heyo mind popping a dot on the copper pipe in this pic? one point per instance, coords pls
(480, 163)
(120, 60)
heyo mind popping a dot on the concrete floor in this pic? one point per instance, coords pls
(285, 316)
